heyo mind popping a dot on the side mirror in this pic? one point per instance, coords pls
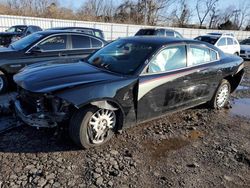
(36, 50)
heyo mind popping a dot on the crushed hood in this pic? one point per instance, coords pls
(49, 77)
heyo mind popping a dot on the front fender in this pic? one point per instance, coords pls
(122, 93)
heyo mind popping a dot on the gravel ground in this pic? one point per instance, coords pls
(193, 148)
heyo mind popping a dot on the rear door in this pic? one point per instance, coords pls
(231, 47)
(203, 80)
(222, 44)
(81, 46)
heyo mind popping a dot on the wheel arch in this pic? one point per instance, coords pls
(235, 80)
(109, 104)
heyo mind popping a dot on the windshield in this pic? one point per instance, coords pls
(246, 42)
(18, 29)
(122, 56)
(26, 41)
(210, 39)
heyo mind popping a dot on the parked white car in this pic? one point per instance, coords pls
(225, 42)
(245, 49)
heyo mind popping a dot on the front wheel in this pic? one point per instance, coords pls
(222, 95)
(92, 126)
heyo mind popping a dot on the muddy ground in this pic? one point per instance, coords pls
(193, 148)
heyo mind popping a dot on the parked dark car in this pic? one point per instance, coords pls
(45, 46)
(17, 32)
(159, 32)
(91, 31)
(125, 83)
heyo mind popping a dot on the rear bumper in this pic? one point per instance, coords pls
(36, 119)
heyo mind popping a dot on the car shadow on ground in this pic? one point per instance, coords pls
(25, 139)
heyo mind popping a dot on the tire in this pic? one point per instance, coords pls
(222, 95)
(236, 53)
(3, 83)
(80, 129)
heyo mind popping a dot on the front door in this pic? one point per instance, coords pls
(162, 86)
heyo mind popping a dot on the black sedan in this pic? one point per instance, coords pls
(91, 31)
(125, 83)
(17, 32)
(159, 32)
(45, 46)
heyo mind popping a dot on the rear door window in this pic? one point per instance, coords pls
(230, 41)
(160, 32)
(222, 42)
(200, 55)
(170, 33)
(80, 42)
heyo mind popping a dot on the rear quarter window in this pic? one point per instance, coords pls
(236, 43)
(213, 55)
(96, 43)
(80, 42)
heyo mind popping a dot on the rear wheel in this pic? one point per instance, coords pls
(92, 126)
(222, 95)
(3, 83)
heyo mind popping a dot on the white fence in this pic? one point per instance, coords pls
(111, 30)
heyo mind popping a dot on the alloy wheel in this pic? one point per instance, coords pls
(100, 125)
(222, 96)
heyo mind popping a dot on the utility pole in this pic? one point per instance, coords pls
(145, 13)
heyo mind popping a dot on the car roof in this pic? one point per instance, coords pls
(25, 26)
(67, 28)
(161, 41)
(158, 29)
(214, 35)
(51, 32)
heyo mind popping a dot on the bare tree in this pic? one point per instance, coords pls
(203, 8)
(181, 15)
(214, 18)
(156, 9)
(242, 14)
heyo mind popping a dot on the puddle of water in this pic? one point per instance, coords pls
(241, 107)
(162, 148)
(240, 88)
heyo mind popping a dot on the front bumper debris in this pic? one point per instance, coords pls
(38, 120)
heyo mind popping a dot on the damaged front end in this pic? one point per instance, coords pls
(41, 110)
